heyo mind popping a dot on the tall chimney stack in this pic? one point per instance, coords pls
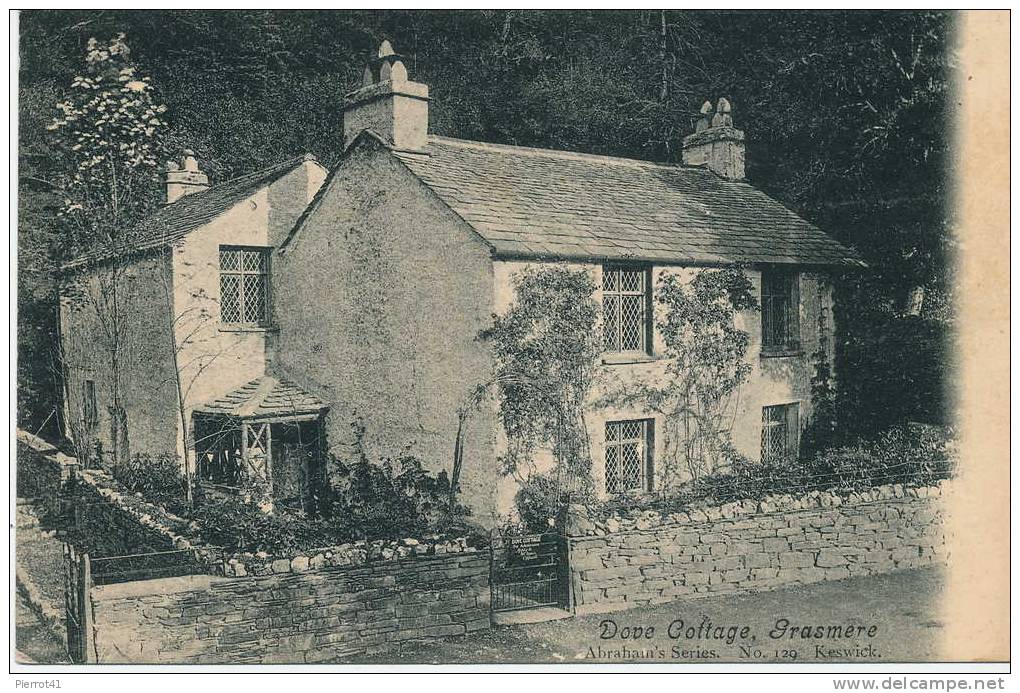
(389, 104)
(715, 142)
(184, 178)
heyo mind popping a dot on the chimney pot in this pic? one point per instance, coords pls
(184, 178)
(388, 103)
(715, 142)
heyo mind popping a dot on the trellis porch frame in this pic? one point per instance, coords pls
(246, 418)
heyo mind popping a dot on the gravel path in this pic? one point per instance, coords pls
(39, 569)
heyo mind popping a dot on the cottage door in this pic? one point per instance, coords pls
(294, 454)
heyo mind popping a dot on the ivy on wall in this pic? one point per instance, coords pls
(698, 393)
(545, 348)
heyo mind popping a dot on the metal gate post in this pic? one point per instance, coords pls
(568, 577)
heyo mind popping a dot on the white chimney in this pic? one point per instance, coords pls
(715, 142)
(389, 104)
(184, 178)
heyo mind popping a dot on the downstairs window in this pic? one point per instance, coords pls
(780, 433)
(629, 455)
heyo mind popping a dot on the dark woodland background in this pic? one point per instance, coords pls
(846, 114)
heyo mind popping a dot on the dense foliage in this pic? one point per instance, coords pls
(158, 478)
(908, 455)
(545, 347)
(243, 526)
(393, 500)
(397, 498)
(539, 501)
(846, 115)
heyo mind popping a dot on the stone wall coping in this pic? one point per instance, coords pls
(141, 588)
(652, 520)
(36, 443)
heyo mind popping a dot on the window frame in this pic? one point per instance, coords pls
(267, 253)
(790, 343)
(646, 441)
(646, 348)
(789, 420)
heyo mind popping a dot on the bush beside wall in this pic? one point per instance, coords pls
(112, 521)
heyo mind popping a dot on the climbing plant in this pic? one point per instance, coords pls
(697, 393)
(545, 347)
(822, 428)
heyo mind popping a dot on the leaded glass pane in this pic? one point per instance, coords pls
(777, 306)
(774, 434)
(613, 469)
(627, 455)
(632, 281)
(624, 297)
(230, 260)
(253, 261)
(631, 323)
(630, 467)
(230, 297)
(611, 280)
(254, 298)
(611, 304)
(244, 285)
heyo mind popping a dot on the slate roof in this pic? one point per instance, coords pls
(532, 203)
(177, 219)
(264, 397)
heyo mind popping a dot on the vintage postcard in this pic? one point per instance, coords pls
(571, 338)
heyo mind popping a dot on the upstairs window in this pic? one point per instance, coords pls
(780, 311)
(244, 286)
(780, 433)
(629, 455)
(626, 303)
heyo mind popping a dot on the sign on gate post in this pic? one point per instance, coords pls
(529, 572)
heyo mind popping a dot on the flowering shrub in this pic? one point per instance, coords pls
(108, 128)
(107, 131)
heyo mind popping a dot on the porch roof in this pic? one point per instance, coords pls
(262, 398)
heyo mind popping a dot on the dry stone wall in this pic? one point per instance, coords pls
(659, 559)
(316, 616)
(42, 471)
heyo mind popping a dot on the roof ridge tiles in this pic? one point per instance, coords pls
(251, 176)
(562, 154)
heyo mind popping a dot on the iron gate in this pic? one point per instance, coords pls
(529, 572)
